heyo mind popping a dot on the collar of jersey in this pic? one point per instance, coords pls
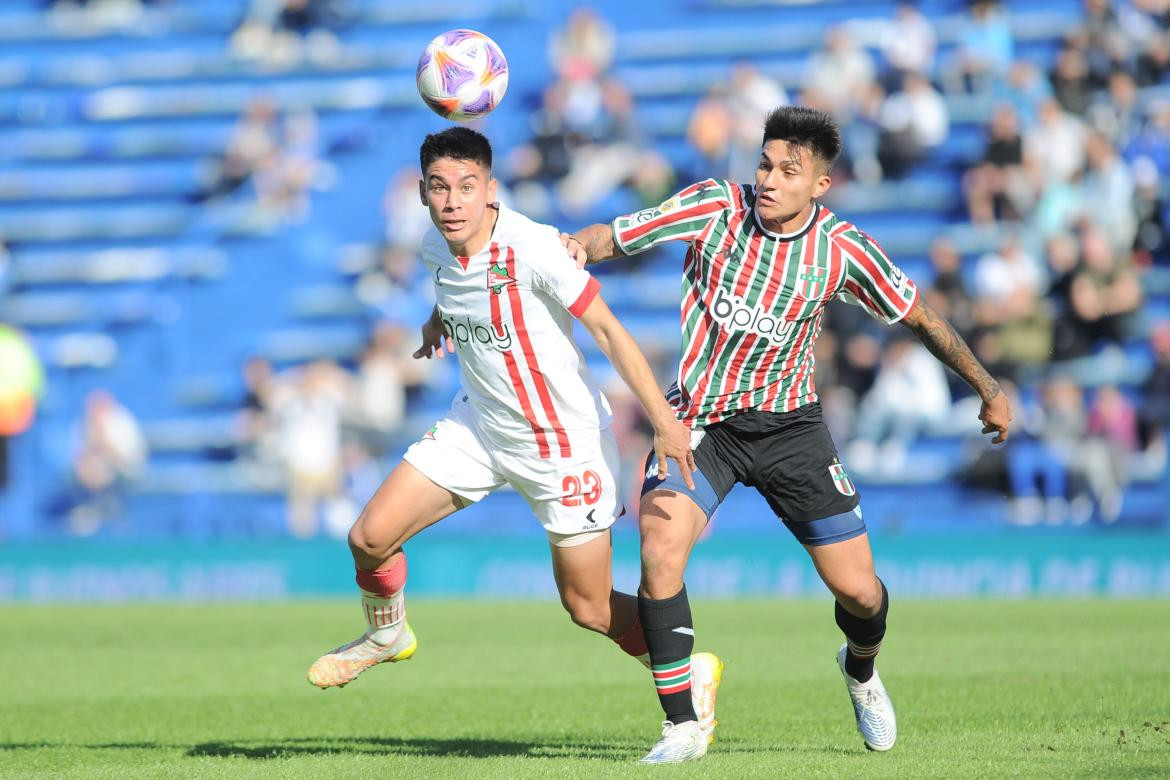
(812, 219)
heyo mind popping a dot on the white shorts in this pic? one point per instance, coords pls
(574, 498)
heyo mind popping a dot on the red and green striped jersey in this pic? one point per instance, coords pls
(753, 300)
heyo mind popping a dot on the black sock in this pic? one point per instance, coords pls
(864, 637)
(670, 639)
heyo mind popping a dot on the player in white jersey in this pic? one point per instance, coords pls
(762, 262)
(528, 414)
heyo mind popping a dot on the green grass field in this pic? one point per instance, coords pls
(983, 689)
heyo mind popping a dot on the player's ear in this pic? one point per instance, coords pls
(491, 189)
(422, 191)
(824, 181)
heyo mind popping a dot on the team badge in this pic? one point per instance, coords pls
(813, 279)
(841, 480)
(669, 205)
(498, 279)
(431, 433)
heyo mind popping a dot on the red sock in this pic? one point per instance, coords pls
(633, 642)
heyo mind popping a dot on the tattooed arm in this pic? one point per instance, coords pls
(948, 346)
(592, 244)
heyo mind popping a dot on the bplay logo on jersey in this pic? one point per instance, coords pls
(735, 314)
(468, 332)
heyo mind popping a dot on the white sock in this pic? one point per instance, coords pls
(384, 615)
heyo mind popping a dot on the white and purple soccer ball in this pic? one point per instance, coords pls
(462, 75)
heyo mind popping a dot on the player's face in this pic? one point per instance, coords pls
(457, 193)
(788, 178)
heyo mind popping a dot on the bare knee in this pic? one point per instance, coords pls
(591, 614)
(369, 550)
(663, 563)
(861, 596)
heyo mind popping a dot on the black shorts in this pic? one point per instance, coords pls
(789, 458)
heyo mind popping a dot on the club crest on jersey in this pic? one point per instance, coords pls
(498, 279)
(841, 480)
(431, 433)
(812, 279)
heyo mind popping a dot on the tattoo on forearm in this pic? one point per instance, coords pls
(598, 244)
(948, 346)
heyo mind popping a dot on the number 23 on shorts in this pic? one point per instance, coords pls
(584, 489)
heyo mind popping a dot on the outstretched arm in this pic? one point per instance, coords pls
(592, 244)
(948, 346)
(672, 439)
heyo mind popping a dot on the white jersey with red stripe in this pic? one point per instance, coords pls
(509, 310)
(753, 300)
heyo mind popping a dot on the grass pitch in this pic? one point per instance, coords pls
(504, 690)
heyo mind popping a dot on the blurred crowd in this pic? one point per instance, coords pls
(1067, 186)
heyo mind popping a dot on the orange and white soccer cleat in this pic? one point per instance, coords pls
(341, 666)
(706, 674)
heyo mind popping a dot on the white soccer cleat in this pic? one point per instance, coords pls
(341, 666)
(872, 708)
(706, 674)
(681, 742)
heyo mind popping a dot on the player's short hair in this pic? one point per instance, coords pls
(456, 143)
(814, 130)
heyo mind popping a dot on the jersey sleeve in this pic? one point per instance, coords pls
(872, 281)
(554, 272)
(682, 217)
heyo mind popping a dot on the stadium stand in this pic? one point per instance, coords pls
(175, 203)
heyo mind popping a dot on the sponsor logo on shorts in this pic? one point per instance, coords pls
(467, 332)
(841, 479)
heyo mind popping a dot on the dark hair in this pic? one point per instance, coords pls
(456, 143)
(806, 127)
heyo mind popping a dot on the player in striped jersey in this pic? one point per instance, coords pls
(762, 262)
(528, 414)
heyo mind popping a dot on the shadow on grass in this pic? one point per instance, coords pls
(421, 746)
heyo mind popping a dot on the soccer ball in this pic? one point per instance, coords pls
(462, 75)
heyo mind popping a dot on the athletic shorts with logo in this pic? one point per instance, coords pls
(571, 497)
(788, 457)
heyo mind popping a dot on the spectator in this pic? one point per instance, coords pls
(386, 374)
(309, 411)
(1054, 148)
(1041, 451)
(886, 424)
(839, 75)
(406, 218)
(584, 49)
(913, 123)
(1072, 84)
(253, 144)
(1154, 411)
(947, 293)
(1002, 274)
(1025, 89)
(996, 187)
(725, 126)
(1109, 194)
(1105, 291)
(1104, 460)
(984, 48)
(283, 32)
(112, 453)
(1117, 115)
(908, 42)
(254, 423)
(1152, 245)
(1154, 62)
